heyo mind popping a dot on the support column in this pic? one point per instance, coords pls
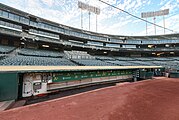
(81, 19)
(154, 25)
(89, 20)
(164, 24)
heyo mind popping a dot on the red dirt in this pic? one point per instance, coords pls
(146, 100)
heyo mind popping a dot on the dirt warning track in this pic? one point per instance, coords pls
(156, 99)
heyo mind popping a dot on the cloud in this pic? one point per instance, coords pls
(110, 20)
(171, 23)
(172, 5)
(48, 2)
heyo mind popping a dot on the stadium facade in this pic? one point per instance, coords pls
(28, 43)
(26, 36)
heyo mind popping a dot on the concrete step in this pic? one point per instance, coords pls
(6, 104)
(18, 104)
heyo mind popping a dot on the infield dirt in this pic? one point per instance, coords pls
(156, 99)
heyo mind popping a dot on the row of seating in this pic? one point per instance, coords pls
(40, 53)
(39, 61)
(144, 58)
(104, 58)
(124, 58)
(6, 49)
(92, 62)
(78, 55)
(2, 56)
(47, 61)
(27, 56)
(175, 58)
(166, 64)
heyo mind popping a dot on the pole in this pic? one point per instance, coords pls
(89, 20)
(96, 22)
(164, 23)
(81, 19)
(154, 26)
(146, 26)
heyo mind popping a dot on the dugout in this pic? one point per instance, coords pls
(26, 81)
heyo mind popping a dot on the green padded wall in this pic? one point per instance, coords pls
(8, 86)
(174, 74)
(69, 76)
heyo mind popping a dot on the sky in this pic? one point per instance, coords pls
(110, 20)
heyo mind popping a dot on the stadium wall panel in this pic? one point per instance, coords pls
(8, 86)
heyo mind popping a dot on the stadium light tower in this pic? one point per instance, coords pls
(90, 9)
(154, 14)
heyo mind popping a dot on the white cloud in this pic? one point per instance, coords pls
(162, 2)
(48, 2)
(171, 23)
(171, 5)
(110, 20)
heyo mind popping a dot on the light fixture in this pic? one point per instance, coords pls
(45, 46)
(167, 45)
(150, 46)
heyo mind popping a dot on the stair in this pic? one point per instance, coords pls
(6, 105)
(18, 103)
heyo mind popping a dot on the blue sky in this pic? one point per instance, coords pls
(110, 21)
